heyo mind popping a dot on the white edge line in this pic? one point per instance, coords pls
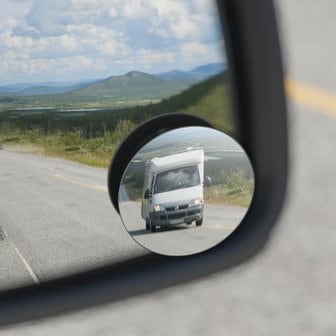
(28, 268)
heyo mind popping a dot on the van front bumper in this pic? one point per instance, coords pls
(164, 218)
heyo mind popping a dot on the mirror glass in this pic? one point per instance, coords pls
(76, 78)
(186, 190)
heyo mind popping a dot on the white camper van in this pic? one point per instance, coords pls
(173, 190)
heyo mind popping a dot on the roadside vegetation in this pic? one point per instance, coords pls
(73, 145)
(92, 138)
(235, 190)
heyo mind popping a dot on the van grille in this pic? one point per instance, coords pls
(178, 207)
(177, 216)
(195, 212)
(180, 215)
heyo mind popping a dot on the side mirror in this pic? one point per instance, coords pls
(147, 194)
(245, 98)
(207, 182)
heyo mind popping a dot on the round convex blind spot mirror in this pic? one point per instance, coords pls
(185, 191)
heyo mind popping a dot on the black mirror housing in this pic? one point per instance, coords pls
(147, 194)
(207, 182)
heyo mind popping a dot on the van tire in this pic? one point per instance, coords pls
(148, 226)
(153, 228)
(199, 222)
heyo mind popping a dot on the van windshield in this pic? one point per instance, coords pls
(177, 179)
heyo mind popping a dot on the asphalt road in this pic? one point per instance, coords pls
(290, 288)
(74, 229)
(218, 223)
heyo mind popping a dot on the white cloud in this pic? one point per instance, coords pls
(193, 49)
(13, 9)
(150, 58)
(136, 9)
(103, 37)
(185, 29)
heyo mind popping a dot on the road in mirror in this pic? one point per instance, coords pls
(186, 190)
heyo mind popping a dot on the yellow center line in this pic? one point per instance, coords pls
(311, 96)
(84, 185)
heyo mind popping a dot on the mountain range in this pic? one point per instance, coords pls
(134, 84)
(198, 74)
(26, 89)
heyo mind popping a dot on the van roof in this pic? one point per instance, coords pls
(175, 161)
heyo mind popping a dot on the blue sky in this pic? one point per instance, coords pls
(64, 40)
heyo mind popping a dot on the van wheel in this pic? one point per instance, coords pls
(199, 222)
(147, 224)
(153, 228)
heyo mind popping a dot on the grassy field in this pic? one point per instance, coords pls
(236, 191)
(97, 151)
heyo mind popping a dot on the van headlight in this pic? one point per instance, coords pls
(158, 208)
(195, 202)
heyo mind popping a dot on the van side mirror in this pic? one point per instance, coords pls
(207, 182)
(147, 194)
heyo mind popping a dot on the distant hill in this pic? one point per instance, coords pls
(134, 85)
(138, 82)
(205, 71)
(209, 99)
(132, 89)
(135, 88)
(14, 88)
(43, 90)
(170, 75)
(197, 74)
(27, 89)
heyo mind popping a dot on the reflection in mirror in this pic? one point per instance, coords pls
(76, 78)
(185, 191)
